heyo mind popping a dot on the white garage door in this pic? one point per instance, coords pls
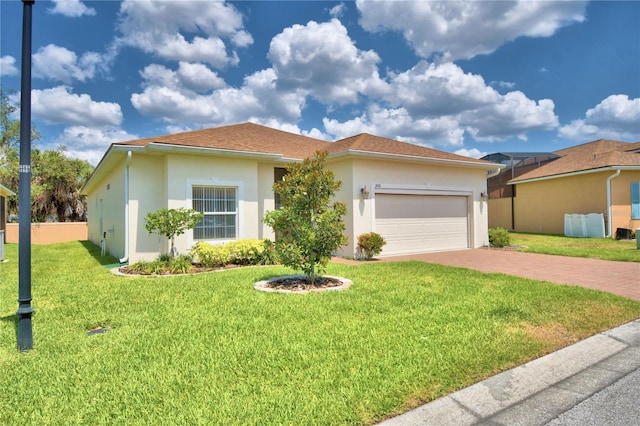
(422, 223)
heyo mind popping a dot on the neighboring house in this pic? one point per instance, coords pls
(4, 192)
(597, 177)
(419, 199)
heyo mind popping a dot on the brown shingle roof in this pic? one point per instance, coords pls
(376, 144)
(595, 147)
(250, 137)
(245, 137)
(598, 154)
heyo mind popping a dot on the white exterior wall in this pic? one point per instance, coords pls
(165, 180)
(350, 195)
(147, 194)
(266, 199)
(106, 212)
(404, 177)
(184, 171)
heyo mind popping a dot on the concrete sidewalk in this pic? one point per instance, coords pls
(572, 386)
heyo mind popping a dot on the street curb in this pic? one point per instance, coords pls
(539, 390)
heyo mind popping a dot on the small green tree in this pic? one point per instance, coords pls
(308, 226)
(172, 222)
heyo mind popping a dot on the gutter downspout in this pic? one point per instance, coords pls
(609, 179)
(126, 210)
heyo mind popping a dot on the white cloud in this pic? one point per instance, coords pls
(337, 11)
(503, 84)
(71, 8)
(430, 89)
(190, 31)
(511, 115)
(398, 124)
(61, 64)
(616, 117)
(59, 106)
(188, 78)
(461, 30)
(90, 143)
(435, 104)
(198, 77)
(473, 152)
(321, 60)
(257, 100)
(8, 65)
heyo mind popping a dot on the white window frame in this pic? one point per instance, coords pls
(215, 184)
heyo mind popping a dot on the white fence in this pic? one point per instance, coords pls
(584, 225)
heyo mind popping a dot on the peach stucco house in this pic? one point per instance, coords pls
(419, 199)
(600, 177)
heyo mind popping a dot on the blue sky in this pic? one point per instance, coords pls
(467, 77)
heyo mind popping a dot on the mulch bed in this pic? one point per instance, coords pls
(300, 283)
(195, 269)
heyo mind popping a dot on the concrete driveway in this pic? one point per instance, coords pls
(622, 278)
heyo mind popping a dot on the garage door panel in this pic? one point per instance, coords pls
(422, 223)
(420, 206)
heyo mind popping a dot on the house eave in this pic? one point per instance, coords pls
(578, 173)
(4, 191)
(107, 162)
(404, 157)
(212, 151)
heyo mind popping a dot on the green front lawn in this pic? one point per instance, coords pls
(596, 248)
(209, 349)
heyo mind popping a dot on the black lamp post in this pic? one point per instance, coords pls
(24, 313)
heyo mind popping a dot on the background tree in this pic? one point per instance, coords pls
(309, 227)
(56, 180)
(10, 126)
(171, 223)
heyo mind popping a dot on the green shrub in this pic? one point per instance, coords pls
(240, 252)
(370, 245)
(180, 265)
(269, 256)
(244, 252)
(171, 223)
(210, 255)
(140, 267)
(499, 237)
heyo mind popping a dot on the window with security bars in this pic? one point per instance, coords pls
(219, 205)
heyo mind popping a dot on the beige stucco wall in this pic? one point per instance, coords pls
(184, 171)
(500, 213)
(621, 201)
(106, 212)
(540, 206)
(346, 194)
(165, 181)
(410, 177)
(147, 194)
